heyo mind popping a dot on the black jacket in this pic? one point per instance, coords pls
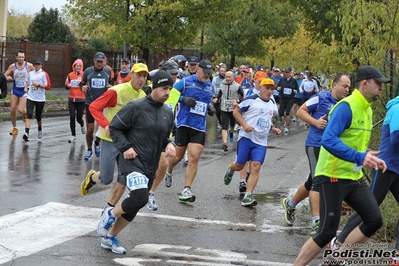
(3, 86)
(145, 126)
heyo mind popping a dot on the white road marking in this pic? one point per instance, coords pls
(186, 255)
(26, 232)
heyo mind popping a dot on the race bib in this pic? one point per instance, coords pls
(75, 83)
(136, 181)
(19, 82)
(199, 109)
(98, 83)
(275, 92)
(287, 91)
(228, 104)
(262, 124)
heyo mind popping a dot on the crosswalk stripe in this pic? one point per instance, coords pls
(29, 231)
(32, 230)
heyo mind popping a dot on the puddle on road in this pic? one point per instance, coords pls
(270, 209)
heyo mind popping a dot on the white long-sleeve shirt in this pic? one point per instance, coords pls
(38, 94)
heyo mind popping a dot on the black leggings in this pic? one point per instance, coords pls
(136, 200)
(39, 109)
(76, 110)
(380, 185)
(313, 156)
(357, 195)
(228, 119)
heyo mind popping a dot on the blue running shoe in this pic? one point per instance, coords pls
(231, 136)
(88, 155)
(97, 150)
(112, 243)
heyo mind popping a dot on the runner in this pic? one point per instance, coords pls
(140, 131)
(103, 110)
(37, 83)
(229, 94)
(171, 102)
(123, 75)
(314, 112)
(255, 115)
(18, 72)
(96, 80)
(3, 86)
(196, 91)
(338, 174)
(76, 99)
(287, 87)
(382, 182)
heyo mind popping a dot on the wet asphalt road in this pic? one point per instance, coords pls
(215, 229)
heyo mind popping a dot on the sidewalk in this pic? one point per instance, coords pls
(51, 108)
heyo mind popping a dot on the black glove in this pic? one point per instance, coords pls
(211, 110)
(189, 101)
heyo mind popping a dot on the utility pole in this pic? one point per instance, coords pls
(3, 30)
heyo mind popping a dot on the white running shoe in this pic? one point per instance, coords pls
(152, 205)
(112, 243)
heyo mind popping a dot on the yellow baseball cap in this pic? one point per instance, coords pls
(267, 82)
(139, 67)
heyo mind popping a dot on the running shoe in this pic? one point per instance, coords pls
(14, 131)
(225, 147)
(228, 176)
(237, 127)
(152, 205)
(87, 184)
(83, 129)
(72, 139)
(24, 116)
(97, 150)
(40, 134)
(332, 245)
(88, 155)
(242, 186)
(168, 179)
(105, 222)
(185, 158)
(294, 119)
(315, 228)
(187, 195)
(286, 131)
(26, 136)
(248, 201)
(289, 214)
(112, 243)
(231, 137)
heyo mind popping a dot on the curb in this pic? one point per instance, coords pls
(51, 109)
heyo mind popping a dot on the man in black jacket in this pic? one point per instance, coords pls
(140, 131)
(3, 86)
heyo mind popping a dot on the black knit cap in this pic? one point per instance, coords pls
(161, 78)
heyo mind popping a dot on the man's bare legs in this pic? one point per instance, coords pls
(16, 104)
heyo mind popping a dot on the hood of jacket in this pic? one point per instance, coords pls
(77, 61)
(392, 102)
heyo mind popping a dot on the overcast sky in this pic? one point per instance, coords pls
(30, 7)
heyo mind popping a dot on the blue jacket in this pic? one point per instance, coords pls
(389, 145)
(194, 117)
